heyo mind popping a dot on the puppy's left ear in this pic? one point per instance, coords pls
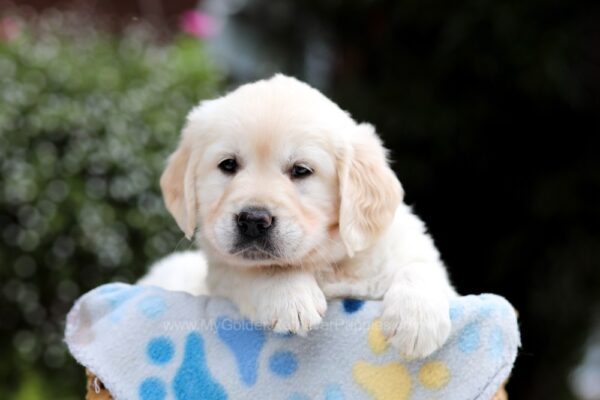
(177, 185)
(370, 193)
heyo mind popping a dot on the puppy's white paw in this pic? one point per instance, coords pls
(295, 308)
(417, 324)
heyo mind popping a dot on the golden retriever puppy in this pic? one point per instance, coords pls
(292, 203)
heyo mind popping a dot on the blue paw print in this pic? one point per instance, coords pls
(497, 343)
(118, 295)
(352, 305)
(283, 363)
(152, 389)
(152, 306)
(160, 350)
(192, 380)
(245, 341)
(470, 338)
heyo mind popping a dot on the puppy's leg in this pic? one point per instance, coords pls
(287, 301)
(416, 315)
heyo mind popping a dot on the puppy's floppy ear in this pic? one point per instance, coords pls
(177, 185)
(369, 190)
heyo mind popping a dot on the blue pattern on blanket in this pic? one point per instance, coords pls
(245, 341)
(160, 350)
(152, 389)
(193, 379)
(152, 307)
(283, 363)
(469, 338)
(352, 305)
(117, 298)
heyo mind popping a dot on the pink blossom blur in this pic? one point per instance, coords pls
(197, 23)
(9, 29)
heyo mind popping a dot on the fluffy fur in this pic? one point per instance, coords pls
(341, 232)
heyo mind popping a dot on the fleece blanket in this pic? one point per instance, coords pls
(150, 344)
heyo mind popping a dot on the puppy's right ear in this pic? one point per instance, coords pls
(177, 185)
(370, 192)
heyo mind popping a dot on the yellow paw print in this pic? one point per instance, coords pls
(384, 382)
(392, 381)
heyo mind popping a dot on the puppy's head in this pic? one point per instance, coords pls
(274, 173)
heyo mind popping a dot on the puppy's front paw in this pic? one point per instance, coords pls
(415, 323)
(289, 308)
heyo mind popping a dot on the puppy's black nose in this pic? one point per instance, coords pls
(254, 222)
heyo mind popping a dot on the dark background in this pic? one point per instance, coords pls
(491, 110)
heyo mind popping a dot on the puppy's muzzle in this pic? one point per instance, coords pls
(254, 222)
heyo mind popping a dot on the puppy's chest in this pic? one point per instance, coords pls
(350, 280)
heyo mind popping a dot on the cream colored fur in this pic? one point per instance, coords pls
(341, 232)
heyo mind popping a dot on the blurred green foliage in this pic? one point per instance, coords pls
(87, 120)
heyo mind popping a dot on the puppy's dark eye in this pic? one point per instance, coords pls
(228, 166)
(300, 171)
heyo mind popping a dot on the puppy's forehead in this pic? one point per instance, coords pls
(270, 116)
(267, 139)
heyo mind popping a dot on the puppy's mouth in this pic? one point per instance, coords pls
(255, 251)
(255, 254)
